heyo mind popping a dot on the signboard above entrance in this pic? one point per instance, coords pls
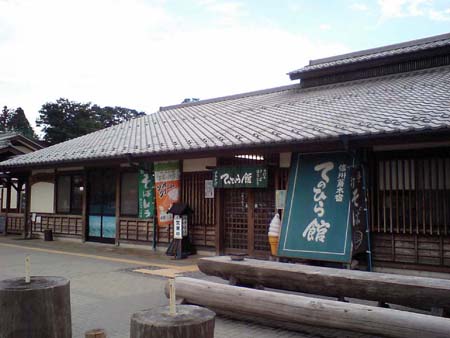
(316, 223)
(240, 177)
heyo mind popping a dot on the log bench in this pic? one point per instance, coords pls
(289, 310)
(417, 292)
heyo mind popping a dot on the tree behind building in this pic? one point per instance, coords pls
(15, 120)
(64, 119)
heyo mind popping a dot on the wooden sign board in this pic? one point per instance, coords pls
(316, 222)
(240, 177)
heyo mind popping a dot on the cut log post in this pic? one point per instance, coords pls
(96, 333)
(39, 309)
(190, 321)
(417, 292)
(288, 310)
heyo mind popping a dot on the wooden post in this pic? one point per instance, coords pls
(190, 322)
(27, 269)
(84, 202)
(39, 309)
(294, 311)
(277, 182)
(118, 186)
(26, 214)
(8, 202)
(172, 297)
(55, 191)
(219, 227)
(250, 222)
(96, 333)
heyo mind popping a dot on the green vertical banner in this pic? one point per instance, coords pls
(317, 221)
(146, 194)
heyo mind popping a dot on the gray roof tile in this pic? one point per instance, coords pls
(374, 54)
(404, 102)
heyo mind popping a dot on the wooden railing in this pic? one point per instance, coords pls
(135, 229)
(15, 223)
(59, 224)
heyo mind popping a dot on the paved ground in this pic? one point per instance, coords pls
(105, 289)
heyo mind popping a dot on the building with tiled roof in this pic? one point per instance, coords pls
(387, 108)
(13, 144)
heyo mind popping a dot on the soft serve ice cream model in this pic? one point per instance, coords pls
(274, 233)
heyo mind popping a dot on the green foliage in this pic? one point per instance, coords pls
(63, 120)
(15, 120)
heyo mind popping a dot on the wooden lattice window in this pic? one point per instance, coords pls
(411, 194)
(235, 218)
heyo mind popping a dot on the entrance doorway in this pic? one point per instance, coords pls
(101, 205)
(247, 215)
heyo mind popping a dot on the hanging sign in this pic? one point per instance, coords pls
(240, 177)
(280, 199)
(146, 194)
(316, 223)
(177, 227)
(358, 212)
(167, 189)
(209, 189)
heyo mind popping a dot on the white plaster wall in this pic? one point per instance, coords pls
(285, 160)
(13, 203)
(198, 164)
(23, 149)
(42, 197)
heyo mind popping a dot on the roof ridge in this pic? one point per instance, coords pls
(231, 97)
(410, 43)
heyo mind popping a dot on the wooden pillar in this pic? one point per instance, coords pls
(250, 221)
(26, 214)
(219, 227)
(84, 207)
(55, 191)
(277, 183)
(8, 202)
(118, 181)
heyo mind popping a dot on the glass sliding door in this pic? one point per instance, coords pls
(102, 205)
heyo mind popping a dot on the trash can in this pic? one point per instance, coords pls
(48, 235)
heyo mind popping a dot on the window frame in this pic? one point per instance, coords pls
(70, 174)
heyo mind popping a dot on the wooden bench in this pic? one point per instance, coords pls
(416, 292)
(299, 312)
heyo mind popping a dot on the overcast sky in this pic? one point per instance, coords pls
(143, 54)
